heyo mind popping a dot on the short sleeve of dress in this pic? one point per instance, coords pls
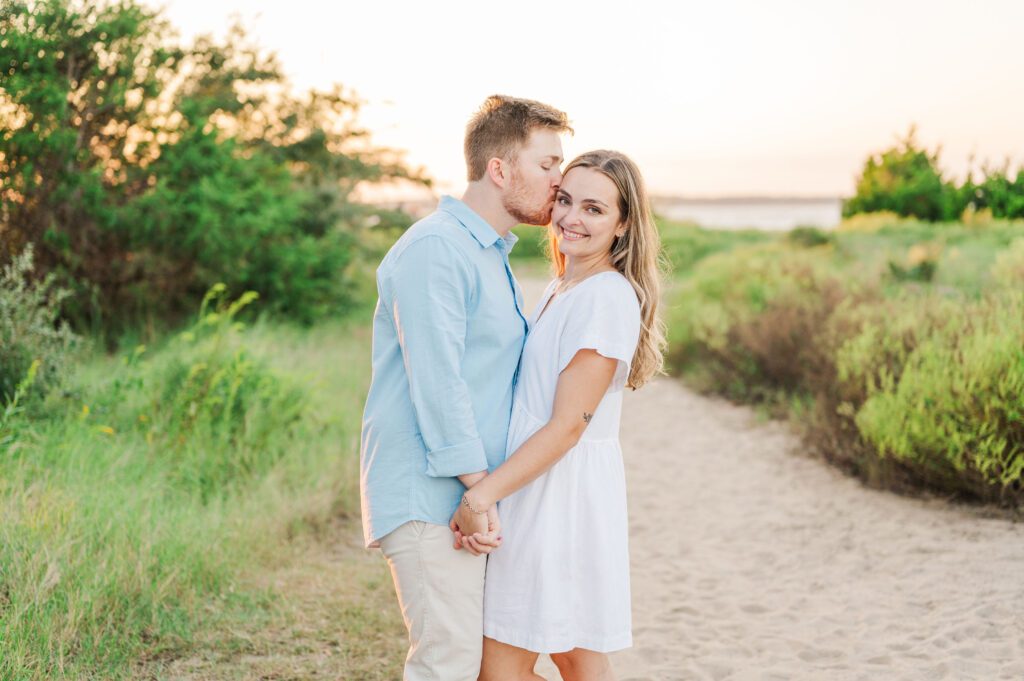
(605, 316)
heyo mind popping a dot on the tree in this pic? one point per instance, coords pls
(1001, 194)
(906, 180)
(144, 171)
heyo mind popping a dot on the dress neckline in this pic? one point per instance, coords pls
(549, 299)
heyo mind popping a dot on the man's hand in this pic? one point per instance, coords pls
(478, 533)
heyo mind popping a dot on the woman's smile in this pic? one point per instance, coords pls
(571, 235)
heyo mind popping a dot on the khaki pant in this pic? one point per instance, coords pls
(441, 592)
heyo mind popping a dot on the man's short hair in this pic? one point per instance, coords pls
(503, 125)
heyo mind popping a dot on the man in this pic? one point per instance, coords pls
(447, 335)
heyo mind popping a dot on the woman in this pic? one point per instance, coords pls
(560, 582)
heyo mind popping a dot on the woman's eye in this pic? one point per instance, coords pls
(594, 210)
(563, 201)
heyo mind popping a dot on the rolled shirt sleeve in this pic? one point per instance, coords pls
(431, 289)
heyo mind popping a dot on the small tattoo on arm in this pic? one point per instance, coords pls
(587, 417)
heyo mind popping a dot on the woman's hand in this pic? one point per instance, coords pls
(478, 533)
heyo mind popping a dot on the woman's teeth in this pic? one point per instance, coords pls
(572, 236)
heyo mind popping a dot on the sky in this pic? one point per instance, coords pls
(724, 98)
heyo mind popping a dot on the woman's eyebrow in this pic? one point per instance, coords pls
(567, 195)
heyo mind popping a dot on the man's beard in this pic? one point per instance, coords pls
(518, 206)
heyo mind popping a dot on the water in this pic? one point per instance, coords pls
(767, 214)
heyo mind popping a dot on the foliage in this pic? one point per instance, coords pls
(532, 244)
(30, 334)
(997, 193)
(162, 475)
(809, 237)
(957, 409)
(144, 172)
(905, 180)
(920, 263)
(905, 383)
(685, 245)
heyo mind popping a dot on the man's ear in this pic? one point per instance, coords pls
(498, 171)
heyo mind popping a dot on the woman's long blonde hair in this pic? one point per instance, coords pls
(636, 255)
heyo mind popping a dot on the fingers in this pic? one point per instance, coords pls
(489, 539)
(483, 544)
(454, 527)
(467, 543)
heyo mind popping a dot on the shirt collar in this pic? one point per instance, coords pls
(477, 226)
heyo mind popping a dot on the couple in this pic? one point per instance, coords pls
(473, 403)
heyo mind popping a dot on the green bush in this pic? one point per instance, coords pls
(217, 408)
(685, 244)
(144, 171)
(133, 501)
(920, 264)
(810, 237)
(955, 410)
(909, 388)
(1002, 196)
(30, 331)
(905, 180)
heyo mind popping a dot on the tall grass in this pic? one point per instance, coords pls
(133, 499)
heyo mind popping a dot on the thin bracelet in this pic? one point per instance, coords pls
(465, 502)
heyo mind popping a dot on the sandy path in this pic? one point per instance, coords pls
(750, 561)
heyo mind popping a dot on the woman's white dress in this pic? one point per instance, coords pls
(561, 578)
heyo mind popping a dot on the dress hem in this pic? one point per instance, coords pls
(539, 644)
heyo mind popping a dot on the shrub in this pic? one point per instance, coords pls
(1002, 196)
(142, 492)
(908, 388)
(905, 180)
(30, 331)
(217, 411)
(810, 237)
(143, 171)
(957, 409)
(921, 261)
(745, 318)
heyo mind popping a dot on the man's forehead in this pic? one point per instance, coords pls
(544, 142)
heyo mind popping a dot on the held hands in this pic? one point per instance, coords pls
(478, 533)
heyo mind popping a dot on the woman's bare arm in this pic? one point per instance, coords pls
(581, 385)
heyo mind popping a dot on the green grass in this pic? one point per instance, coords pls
(134, 501)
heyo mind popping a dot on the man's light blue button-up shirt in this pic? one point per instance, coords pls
(447, 335)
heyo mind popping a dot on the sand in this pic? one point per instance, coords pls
(752, 561)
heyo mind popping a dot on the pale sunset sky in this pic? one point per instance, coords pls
(732, 97)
